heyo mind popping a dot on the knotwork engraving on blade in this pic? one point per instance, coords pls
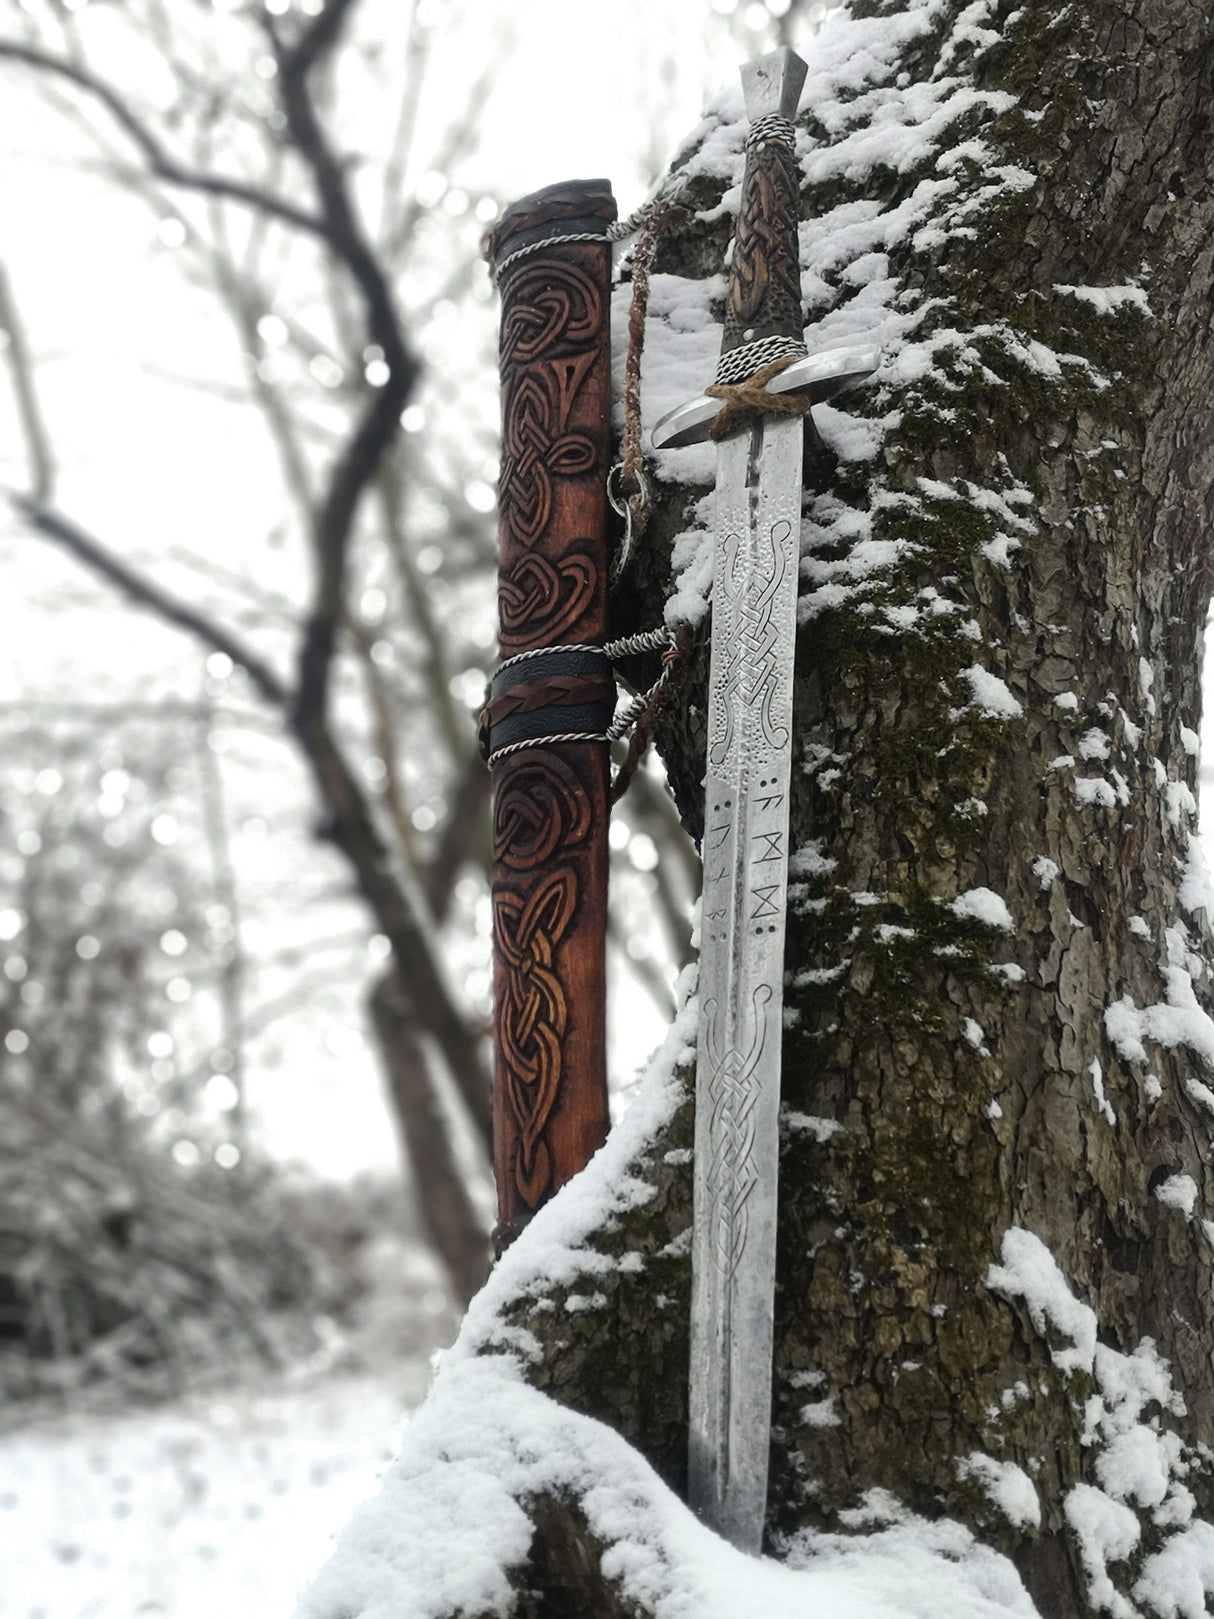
(752, 577)
(539, 806)
(724, 613)
(732, 1097)
(532, 1015)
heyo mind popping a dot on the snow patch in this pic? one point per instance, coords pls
(990, 695)
(1178, 1022)
(983, 905)
(1178, 1192)
(822, 1414)
(1109, 300)
(1102, 1101)
(1030, 1273)
(1046, 871)
(1107, 1532)
(1009, 1487)
(809, 1124)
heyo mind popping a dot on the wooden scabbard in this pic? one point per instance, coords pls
(551, 798)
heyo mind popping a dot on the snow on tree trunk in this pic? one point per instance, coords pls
(995, 1351)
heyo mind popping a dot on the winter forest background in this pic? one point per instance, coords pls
(248, 418)
(219, 1279)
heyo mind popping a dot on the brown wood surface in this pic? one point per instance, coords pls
(764, 298)
(551, 801)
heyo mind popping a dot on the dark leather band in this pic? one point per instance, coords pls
(552, 694)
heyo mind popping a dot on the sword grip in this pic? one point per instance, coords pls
(764, 298)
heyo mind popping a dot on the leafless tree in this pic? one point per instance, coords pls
(244, 164)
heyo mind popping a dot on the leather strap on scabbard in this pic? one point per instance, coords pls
(554, 697)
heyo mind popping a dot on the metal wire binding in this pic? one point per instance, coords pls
(546, 651)
(498, 270)
(622, 229)
(618, 231)
(542, 741)
(628, 646)
(772, 127)
(741, 364)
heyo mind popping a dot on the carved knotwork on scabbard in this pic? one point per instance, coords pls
(532, 1015)
(550, 800)
(537, 596)
(536, 448)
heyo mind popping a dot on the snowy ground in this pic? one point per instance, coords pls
(217, 1507)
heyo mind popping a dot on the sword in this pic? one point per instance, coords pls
(745, 848)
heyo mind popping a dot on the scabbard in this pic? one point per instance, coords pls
(552, 693)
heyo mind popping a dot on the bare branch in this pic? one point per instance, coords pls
(319, 38)
(363, 641)
(401, 913)
(380, 423)
(464, 836)
(37, 443)
(147, 593)
(158, 158)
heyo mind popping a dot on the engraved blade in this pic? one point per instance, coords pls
(745, 850)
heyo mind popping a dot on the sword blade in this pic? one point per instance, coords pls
(745, 851)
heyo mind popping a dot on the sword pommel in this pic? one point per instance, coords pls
(772, 84)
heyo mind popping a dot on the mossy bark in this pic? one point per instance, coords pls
(956, 1057)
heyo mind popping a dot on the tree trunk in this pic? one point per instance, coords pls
(994, 1297)
(455, 1229)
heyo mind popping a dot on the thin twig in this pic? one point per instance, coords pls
(159, 160)
(137, 587)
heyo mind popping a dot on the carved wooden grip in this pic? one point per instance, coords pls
(549, 883)
(764, 298)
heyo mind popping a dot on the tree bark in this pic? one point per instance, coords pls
(997, 968)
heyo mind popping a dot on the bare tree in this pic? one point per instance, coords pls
(305, 244)
(248, 159)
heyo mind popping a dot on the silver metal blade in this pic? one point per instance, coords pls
(745, 850)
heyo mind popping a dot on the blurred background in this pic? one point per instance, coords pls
(248, 418)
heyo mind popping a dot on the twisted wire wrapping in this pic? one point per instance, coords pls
(773, 126)
(618, 231)
(740, 364)
(626, 646)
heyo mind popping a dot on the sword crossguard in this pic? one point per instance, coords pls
(821, 375)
